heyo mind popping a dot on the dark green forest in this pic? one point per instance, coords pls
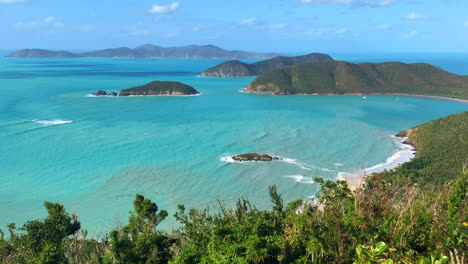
(416, 213)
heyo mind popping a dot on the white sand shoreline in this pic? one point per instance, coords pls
(404, 154)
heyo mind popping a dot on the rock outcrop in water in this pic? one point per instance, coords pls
(154, 88)
(236, 68)
(339, 77)
(100, 93)
(254, 157)
(148, 51)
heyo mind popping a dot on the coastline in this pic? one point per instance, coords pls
(244, 90)
(405, 153)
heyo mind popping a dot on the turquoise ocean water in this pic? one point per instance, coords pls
(94, 154)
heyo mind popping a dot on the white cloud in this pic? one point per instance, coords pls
(159, 9)
(46, 23)
(27, 25)
(49, 19)
(383, 26)
(410, 34)
(318, 30)
(10, 1)
(342, 30)
(248, 21)
(414, 16)
(277, 26)
(371, 3)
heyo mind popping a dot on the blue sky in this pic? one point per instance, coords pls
(258, 25)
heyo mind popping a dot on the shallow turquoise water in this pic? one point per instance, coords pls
(171, 148)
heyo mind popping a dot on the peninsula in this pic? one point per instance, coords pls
(237, 68)
(340, 78)
(154, 88)
(148, 51)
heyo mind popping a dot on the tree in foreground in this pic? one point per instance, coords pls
(40, 241)
(139, 241)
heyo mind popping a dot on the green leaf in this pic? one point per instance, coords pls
(381, 247)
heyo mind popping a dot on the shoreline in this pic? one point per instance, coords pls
(244, 90)
(405, 153)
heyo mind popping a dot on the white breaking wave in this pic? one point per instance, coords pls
(404, 154)
(52, 122)
(228, 159)
(338, 164)
(301, 179)
(281, 159)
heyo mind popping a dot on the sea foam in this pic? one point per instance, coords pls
(404, 154)
(52, 122)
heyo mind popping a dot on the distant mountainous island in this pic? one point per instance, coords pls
(236, 68)
(338, 77)
(148, 51)
(154, 88)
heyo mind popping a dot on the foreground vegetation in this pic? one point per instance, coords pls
(339, 77)
(414, 214)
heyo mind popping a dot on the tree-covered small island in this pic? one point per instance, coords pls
(154, 88)
(254, 157)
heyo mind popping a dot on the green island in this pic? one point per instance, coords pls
(416, 213)
(254, 157)
(236, 68)
(153, 89)
(147, 51)
(340, 78)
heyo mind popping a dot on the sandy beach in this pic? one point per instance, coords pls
(404, 154)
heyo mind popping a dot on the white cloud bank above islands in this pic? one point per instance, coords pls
(371, 3)
(10, 1)
(161, 9)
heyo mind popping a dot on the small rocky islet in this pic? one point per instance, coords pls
(153, 88)
(254, 157)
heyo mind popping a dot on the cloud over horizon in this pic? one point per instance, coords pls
(161, 9)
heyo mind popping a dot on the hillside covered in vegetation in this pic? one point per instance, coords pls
(417, 213)
(338, 77)
(160, 88)
(237, 68)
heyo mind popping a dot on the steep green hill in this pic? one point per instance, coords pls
(338, 77)
(442, 151)
(236, 68)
